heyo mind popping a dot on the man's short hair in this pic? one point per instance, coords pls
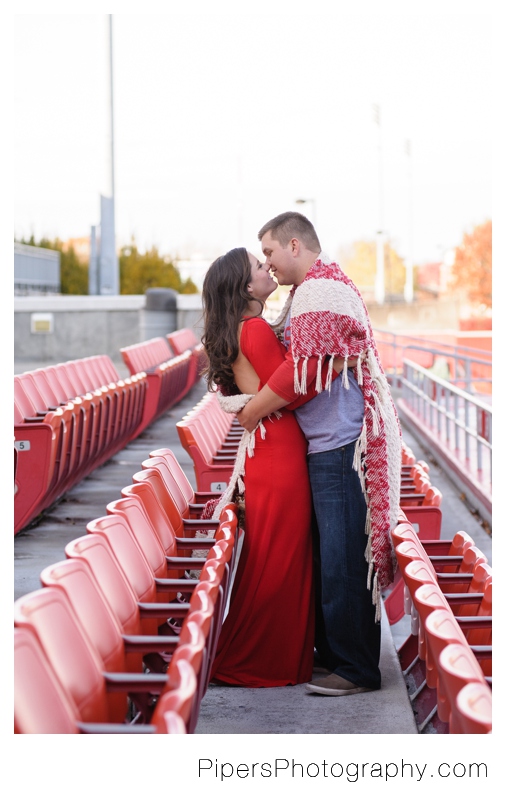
(291, 225)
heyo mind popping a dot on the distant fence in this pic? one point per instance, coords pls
(444, 354)
(456, 426)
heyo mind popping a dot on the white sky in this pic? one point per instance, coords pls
(224, 117)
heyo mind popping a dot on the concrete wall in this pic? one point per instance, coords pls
(74, 326)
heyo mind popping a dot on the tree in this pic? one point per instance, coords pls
(141, 271)
(359, 263)
(472, 267)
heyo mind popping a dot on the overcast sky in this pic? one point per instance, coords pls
(224, 118)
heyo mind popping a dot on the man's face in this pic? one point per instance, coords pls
(280, 260)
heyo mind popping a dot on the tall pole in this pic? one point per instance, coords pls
(408, 286)
(379, 284)
(108, 264)
(111, 95)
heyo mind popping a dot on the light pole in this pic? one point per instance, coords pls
(108, 270)
(379, 284)
(408, 286)
(303, 200)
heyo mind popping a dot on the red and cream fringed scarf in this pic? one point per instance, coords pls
(330, 319)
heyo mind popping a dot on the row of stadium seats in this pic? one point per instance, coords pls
(120, 639)
(447, 658)
(68, 419)
(172, 365)
(71, 417)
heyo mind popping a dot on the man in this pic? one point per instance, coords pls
(354, 449)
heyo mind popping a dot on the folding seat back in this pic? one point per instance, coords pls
(131, 510)
(76, 579)
(96, 551)
(32, 391)
(427, 598)
(191, 653)
(182, 339)
(404, 531)
(177, 471)
(411, 550)
(457, 667)
(165, 499)
(41, 705)
(49, 615)
(156, 513)
(129, 555)
(415, 574)
(471, 558)
(441, 629)
(473, 709)
(433, 497)
(95, 378)
(76, 378)
(165, 719)
(180, 692)
(159, 463)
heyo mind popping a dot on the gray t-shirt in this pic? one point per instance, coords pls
(331, 419)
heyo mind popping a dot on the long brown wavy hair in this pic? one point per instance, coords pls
(225, 298)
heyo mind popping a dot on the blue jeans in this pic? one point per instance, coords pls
(348, 639)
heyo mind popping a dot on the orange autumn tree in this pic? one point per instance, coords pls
(472, 268)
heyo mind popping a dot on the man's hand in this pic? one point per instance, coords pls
(263, 404)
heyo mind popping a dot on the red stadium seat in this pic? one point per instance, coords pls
(49, 615)
(42, 705)
(457, 668)
(473, 709)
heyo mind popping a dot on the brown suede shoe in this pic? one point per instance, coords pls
(335, 686)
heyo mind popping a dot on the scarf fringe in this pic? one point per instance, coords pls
(318, 384)
(360, 377)
(346, 384)
(328, 382)
(296, 382)
(372, 576)
(303, 380)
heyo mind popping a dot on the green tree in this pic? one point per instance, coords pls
(141, 271)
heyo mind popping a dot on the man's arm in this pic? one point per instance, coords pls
(263, 404)
(267, 400)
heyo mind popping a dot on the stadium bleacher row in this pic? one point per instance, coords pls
(121, 636)
(119, 639)
(71, 417)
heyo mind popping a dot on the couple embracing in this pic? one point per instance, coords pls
(321, 473)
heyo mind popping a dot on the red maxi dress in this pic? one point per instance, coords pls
(267, 638)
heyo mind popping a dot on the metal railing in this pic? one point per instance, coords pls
(467, 367)
(462, 422)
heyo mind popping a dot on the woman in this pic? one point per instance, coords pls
(267, 638)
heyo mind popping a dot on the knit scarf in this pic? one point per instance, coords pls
(329, 319)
